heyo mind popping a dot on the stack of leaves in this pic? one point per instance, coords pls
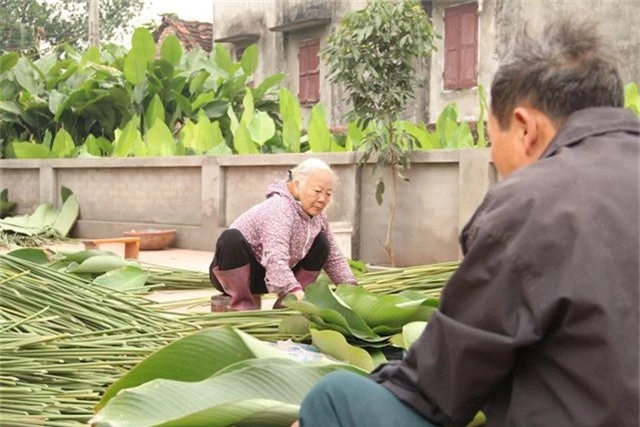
(63, 340)
(354, 317)
(219, 377)
(45, 225)
(112, 271)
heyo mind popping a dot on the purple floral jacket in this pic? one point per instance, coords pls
(280, 234)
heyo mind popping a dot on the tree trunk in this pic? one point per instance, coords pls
(388, 244)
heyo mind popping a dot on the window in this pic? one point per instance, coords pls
(309, 71)
(460, 46)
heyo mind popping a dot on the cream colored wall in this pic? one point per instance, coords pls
(466, 99)
(499, 20)
(232, 17)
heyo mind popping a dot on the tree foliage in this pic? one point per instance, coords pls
(373, 55)
(30, 25)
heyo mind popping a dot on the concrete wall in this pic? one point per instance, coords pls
(498, 21)
(201, 196)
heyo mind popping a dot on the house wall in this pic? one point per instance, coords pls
(498, 21)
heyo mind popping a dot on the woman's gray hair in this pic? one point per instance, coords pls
(308, 167)
(569, 68)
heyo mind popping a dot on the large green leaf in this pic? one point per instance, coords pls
(411, 332)
(223, 59)
(249, 59)
(155, 111)
(249, 110)
(10, 107)
(322, 302)
(202, 136)
(128, 278)
(171, 51)
(26, 76)
(194, 358)
(98, 264)
(380, 314)
(8, 60)
(56, 102)
(135, 68)
(30, 150)
(291, 120)
(67, 216)
(220, 150)
(250, 393)
(159, 140)
(320, 137)
(243, 142)
(98, 146)
(267, 84)
(38, 256)
(63, 145)
(126, 139)
(334, 344)
(262, 128)
(142, 44)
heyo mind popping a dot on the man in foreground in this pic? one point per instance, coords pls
(539, 325)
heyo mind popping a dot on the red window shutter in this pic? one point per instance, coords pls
(468, 48)
(451, 47)
(461, 46)
(314, 71)
(303, 69)
(309, 71)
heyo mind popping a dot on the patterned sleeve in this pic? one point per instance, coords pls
(336, 267)
(275, 236)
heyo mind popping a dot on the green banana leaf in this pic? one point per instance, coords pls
(34, 255)
(335, 345)
(124, 279)
(321, 303)
(296, 326)
(194, 358)
(98, 264)
(410, 333)
(45, 218)
(250, 393)
(381, 314)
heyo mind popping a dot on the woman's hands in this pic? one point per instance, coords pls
(298, 294)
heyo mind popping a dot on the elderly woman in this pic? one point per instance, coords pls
(281, 244)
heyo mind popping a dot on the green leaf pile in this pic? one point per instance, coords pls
(218, 377)
(362, 317)
(44, 224)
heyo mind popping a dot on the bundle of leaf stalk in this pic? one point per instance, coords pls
(65, 340)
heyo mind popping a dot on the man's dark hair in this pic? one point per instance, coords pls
(569, 68)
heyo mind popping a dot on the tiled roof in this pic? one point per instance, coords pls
(190, 33)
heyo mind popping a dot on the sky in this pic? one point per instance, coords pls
(190, 10)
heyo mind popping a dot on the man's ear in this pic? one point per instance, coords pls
(528, 132)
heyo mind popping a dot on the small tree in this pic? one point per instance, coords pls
(372, 54)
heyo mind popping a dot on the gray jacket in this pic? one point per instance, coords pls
(539, 325)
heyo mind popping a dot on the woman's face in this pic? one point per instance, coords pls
(315, 194)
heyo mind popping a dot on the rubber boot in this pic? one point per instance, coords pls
(305, 278)
(235, 283)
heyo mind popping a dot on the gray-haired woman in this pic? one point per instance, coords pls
(281, 244)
